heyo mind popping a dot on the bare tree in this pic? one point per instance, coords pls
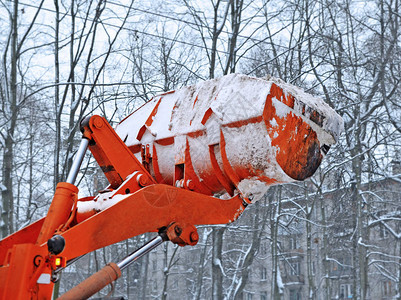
(12, 102)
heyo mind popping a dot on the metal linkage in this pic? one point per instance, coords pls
(72, 175)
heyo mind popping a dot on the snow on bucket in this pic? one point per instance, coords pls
(232, 134)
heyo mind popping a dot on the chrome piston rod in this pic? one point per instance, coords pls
(149, 246)
(76, 164)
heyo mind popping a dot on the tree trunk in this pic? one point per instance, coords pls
(57, 110)
(7, 226)
(217, 267)
(309, 259)
(324, 250)
(275, 210)
(200, 275)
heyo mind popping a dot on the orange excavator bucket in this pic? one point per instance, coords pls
(232, 134)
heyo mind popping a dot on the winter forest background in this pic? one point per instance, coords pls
(62, 60)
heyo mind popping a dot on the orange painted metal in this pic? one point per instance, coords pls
(159, 179)
(147, 210)
(113, 156)
(226, 132)
(165, 204)
(221, 177)
(24, 265)
(149, 207)
(297, 143)
(24, 254)
(182, 235)
(27, 235)
(60, 209)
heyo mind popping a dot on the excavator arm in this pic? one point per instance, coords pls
(191, 157)
(143, 206)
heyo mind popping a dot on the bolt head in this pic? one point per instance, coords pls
(194, 237)
(98, 122)
(190, 185)
(177, 230)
